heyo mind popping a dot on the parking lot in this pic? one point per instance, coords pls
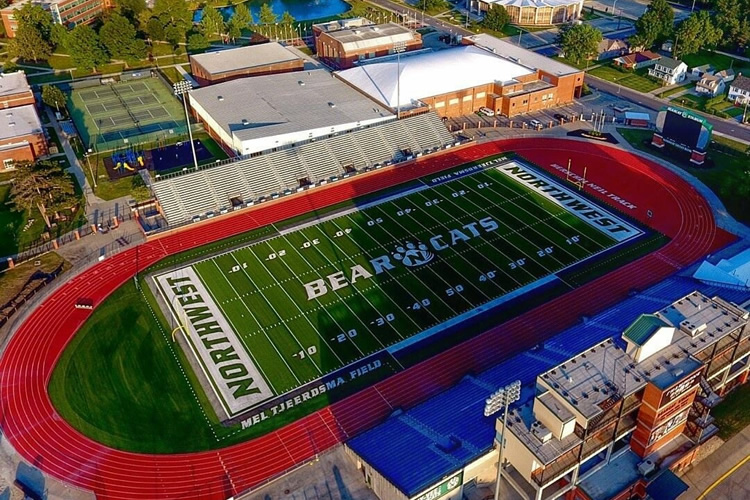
(581, 109)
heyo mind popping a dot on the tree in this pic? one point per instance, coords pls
(118, 36)
(287, 19)
(579, 41)
(197, 41)
(53, 97)
(130, 8)
(266, 15)
(43, 185)
(696, 32)
(733, 18)
(655, 24)
(58, 35)
(32, 40)
(212, 23)
(175, 19)
(241, 18)
(432, 5)
(496, 18)
(234, 31)
(85, 48)
(154, 29)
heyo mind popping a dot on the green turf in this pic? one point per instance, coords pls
(120, 358)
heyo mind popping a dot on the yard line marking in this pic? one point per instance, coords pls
(411, 273)
(497, 249)
(341, 299)
(256, 319)
(302, 313)
(274, 309)
(455, 251)
(231, 323)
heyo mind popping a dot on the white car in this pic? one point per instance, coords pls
(535, 124)
(486, 111)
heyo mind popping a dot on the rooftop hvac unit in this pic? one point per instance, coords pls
(541, 432)
(646, 467)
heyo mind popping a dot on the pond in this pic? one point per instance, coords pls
(301, 10)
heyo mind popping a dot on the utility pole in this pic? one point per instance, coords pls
(183, 88)
(502, 398)
(398, 48)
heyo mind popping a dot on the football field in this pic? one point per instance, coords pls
(314, 307)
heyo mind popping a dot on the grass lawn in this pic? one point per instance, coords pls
(690, 101)
(16, 230)
(570, 62)
(635, 80)
(733, 414)
(677, 89)
(718, 61)
(161, 49)
(172, 74)
(730, 162)
(13, 280)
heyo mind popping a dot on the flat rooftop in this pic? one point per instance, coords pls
(263, 106)
(595, 379)
(519, 55)
(520, 422)
(252, 56)
(365, 37)
(13, 83)
(20, 121)
(430, 74)
(342, 24)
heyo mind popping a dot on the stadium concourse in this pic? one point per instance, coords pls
(664, 202)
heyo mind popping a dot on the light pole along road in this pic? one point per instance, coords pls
(730, 128)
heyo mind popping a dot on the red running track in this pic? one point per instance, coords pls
(42, 437)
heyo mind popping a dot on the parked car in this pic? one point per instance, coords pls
(559, 116)
(486, 111)
(535, 124)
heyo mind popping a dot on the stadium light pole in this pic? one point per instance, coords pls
(182, 88)
(398, 48)
(502, 398)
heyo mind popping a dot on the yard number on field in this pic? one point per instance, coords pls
(310, 351)
(236, 269)
(341, 337)
(275, 255)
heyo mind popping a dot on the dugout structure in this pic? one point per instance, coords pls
(117, 114)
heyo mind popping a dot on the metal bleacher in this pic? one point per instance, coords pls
(187, 195)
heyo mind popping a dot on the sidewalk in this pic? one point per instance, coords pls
(714, 466)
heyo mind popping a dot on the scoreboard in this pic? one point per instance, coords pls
(683, 129)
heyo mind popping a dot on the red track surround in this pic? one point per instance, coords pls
(42, 437)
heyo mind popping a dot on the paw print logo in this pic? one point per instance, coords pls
(413, 255)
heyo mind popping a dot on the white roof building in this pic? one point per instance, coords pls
(430, 74)
(19, 122)
(275, 111)
(13, 83)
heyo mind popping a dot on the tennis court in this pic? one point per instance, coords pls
(126, 113)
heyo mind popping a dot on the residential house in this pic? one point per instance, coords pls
(699, 72)
(710, 85)
(739, 90)
(669, 70)
(726, 74)
(637, 60)
(609, 48)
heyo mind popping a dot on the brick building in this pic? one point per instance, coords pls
(21, 136)
(485, 72)
(343, 48)
(254, 60)
(15, 90)
(628, 408)
(65, 12)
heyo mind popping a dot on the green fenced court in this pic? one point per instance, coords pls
(126, 113)
(317, 306)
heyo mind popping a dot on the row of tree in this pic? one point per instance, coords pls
(124, 31)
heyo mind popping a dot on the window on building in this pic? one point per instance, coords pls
(8, 164)
(453, 101)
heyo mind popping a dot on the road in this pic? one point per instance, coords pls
(725, 127)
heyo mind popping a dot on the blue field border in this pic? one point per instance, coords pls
(470, 314)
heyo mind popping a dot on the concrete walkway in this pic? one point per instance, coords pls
(735, 486)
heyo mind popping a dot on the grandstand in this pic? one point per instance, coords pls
(185, 196)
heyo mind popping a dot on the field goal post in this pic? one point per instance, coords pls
(181, 320)
(580, 182)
